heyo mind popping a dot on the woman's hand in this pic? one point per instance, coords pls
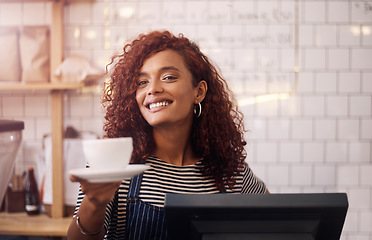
(98, 194)
(92, 209)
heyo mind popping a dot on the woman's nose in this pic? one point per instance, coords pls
(155, 86)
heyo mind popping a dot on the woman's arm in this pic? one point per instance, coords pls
(89, 220)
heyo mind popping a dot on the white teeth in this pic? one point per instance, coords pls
(158, 104)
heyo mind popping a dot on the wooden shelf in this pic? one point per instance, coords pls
(14, 1)
(57, 91)
(40, 86)
(57, 225)
(26, 1)
(39, 225)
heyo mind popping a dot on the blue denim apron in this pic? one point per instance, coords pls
(144, 221)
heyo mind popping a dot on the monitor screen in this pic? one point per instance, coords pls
(311, 216)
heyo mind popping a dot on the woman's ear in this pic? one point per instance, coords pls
(201, 91)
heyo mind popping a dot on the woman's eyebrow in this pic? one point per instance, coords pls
(166, 68)
(169, 68)
(142, 74)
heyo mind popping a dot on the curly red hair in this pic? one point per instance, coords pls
(217, 135)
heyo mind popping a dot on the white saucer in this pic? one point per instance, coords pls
(110, 175)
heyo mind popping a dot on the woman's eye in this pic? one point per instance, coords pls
(142, 83)
(169, 78)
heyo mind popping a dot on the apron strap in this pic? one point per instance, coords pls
(134, 186)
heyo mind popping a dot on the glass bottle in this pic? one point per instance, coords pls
(32, 194)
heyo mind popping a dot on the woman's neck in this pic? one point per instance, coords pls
(174, 146)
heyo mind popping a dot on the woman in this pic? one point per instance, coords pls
(167, 96)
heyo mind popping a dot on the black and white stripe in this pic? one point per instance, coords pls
(164, 178)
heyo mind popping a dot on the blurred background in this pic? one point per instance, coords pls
(301, 72)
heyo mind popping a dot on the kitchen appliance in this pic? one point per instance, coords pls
(10, 140)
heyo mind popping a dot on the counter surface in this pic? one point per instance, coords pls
(39, 225)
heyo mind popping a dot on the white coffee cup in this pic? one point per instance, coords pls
(108, 153)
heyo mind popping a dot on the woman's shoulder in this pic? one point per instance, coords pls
(252, 183)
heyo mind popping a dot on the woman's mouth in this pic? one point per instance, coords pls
(158, 104)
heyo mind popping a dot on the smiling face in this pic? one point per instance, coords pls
(165, 94)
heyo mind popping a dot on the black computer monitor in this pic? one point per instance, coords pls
(256, 216)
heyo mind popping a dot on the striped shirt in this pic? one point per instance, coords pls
(164, 178)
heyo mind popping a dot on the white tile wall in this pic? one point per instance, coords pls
(11, 14)
(349, 82)
(313, 152)
(366, 175)
(366, 35)
(79, 13)
(337, 105)
(366, 130)
(290, 152)
(361, 58)
(367, 83)
(314, 53)
(301, 175)
(36, 105)
(267, 151)
(336, 152)
(35, 14)
(338, 11)
(347, 39)
(313, 12)
(325, 82)
(317, 140)
(360, 105)
(338, 59)
(314, 106)
(278, 129)
(324, 175)
(359, 152)
(278, 175)
(348, 129)
(302, 129)
(290, 107)
(325, 35)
